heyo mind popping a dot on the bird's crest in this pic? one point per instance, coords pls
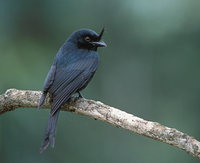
(100, 35)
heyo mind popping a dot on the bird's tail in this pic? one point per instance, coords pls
(49, 137)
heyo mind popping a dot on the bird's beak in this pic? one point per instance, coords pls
(99, 44)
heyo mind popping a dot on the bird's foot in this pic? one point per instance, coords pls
(80, 95)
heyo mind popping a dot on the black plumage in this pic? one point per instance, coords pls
(72, 69)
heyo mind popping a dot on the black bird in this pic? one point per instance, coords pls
(73, 67)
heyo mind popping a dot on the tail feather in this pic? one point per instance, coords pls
(49, 137)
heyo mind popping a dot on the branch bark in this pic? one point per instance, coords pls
(13, 99)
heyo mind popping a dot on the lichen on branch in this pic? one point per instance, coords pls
(13, 99)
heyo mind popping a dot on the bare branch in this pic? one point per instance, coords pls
(13, 99)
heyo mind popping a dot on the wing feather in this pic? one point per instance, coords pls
(70, 79)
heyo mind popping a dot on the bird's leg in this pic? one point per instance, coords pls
(80, 95)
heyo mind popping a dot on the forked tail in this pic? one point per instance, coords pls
(49, 137)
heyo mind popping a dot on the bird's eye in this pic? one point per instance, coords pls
(87, 38)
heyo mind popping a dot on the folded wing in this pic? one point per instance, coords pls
(68, 80)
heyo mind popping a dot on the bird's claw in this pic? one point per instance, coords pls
(78, 97)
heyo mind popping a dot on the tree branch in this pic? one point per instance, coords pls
(14, 99)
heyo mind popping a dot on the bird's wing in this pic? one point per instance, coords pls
(70, 79)
(50, 78)
(47, 84)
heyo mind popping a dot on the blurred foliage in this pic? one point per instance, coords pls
(150, 68)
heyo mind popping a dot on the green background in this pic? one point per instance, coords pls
(150, 69)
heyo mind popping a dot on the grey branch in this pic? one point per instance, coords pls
(14, 99)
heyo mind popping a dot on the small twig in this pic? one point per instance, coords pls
(13, 99)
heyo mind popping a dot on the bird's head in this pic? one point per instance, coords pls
(87, 39)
